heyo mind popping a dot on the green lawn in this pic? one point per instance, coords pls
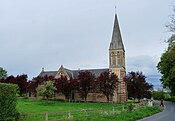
(86, 111)
(39, 106)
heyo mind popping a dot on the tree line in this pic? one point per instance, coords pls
(85, 83)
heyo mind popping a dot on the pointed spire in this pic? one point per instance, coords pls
(116, 42)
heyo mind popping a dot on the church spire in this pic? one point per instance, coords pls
(116, 42)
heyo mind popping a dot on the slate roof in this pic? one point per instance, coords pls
(97, 72)
(73, 73)
(48, 73)
(116, 42)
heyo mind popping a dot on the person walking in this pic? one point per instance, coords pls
(161, 103)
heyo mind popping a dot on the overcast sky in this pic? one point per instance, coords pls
(77, 34)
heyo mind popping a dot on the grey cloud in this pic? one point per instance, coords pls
(146, 64)
(48, 33)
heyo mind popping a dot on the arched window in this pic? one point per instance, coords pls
(114, 60)
(119, 60)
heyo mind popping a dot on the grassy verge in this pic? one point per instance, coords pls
(129, 116)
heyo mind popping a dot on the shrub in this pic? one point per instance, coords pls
(8, 101)
(167, 97)
(158, 95)
(173, 99)
(130, 107)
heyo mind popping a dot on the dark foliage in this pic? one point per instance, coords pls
(137, 86)
(20, 80)
(66, 87)
(85, 83)
(107, 83)
(36, 81)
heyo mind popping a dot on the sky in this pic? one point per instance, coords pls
(77, 34)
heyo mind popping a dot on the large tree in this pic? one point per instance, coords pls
(85, 83)
(66, 87)
(3, 73)
(47, 89)
(107, 83)
(36, 81)
(166, 65)
(137, 86)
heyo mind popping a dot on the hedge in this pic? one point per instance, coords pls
(8, 102)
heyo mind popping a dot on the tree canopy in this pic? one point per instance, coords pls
(85, 83)
(166, 65)
(3, 73)
(46, 89)
(20, 80)
(107, 83)
(137, 86)
(66, 87)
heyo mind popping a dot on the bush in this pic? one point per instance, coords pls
(167, 97)
(8, 101)
(173, 99)
(130, 107)
(158, 95)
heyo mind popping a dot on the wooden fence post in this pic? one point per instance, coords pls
(70, 117)
(86, 113)
(123, 108)
(47, 116)
(113, 110)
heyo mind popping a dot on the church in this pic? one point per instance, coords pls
(116, 65)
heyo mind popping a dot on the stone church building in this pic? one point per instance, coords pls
(116, 65)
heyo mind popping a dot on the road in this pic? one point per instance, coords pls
(168, 114)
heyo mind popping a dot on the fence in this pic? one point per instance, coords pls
(83, 114)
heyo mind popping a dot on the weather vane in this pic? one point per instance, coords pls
(116, 6)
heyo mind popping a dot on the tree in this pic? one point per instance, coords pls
(159, 94)
(85, 83)
(171, 25)
(36, 81)
(107, 83)
(137, 86)
(20, 80)
(46, 89)
(166, 67)
(66, 87)
(3, 73)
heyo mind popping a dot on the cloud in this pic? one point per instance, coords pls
(146, 64)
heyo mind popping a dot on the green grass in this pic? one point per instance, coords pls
(40, 106)
(37, 109)
(129, 116)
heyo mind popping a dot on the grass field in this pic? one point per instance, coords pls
(39, 106)
(80, 111)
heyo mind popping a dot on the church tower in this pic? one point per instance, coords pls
(117, 63)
